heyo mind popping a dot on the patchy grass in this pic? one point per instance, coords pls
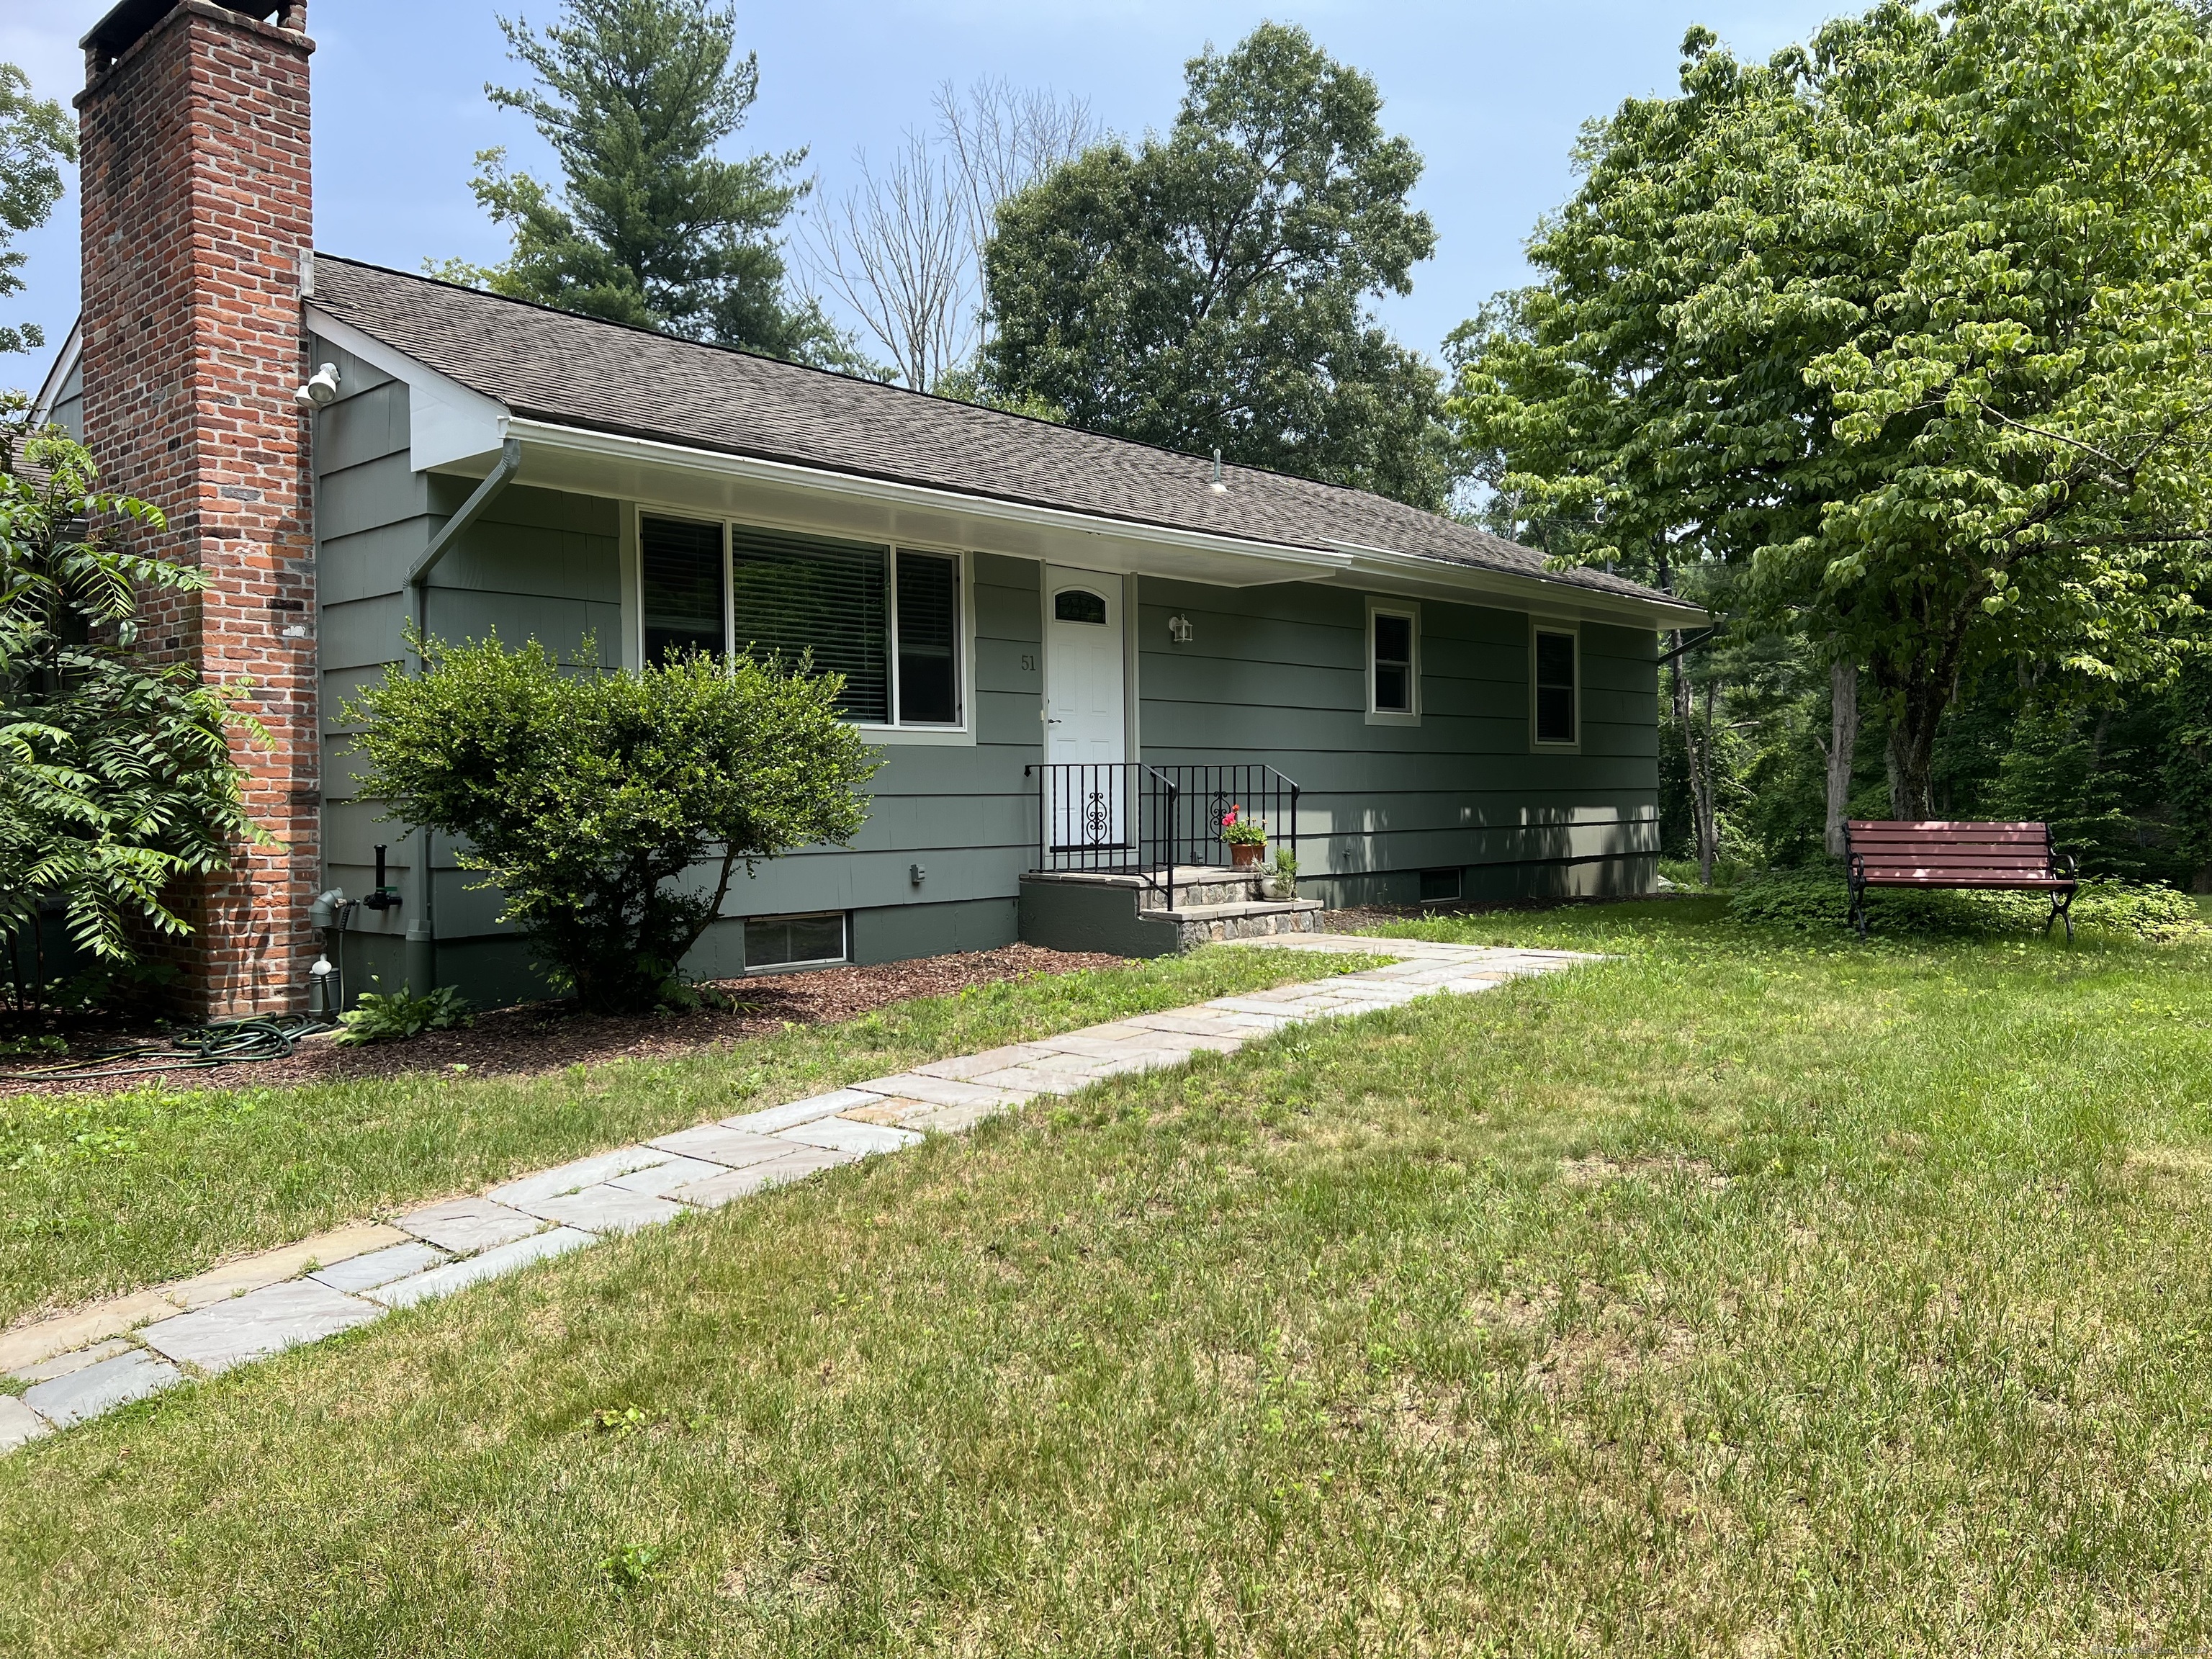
(1730, 1296)
(103, 1193)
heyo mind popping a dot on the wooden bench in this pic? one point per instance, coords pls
(2009, 857)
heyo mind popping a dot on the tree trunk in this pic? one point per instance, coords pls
(1913, 752)
(1697, 765)
(1701, 793)
(1843, 746)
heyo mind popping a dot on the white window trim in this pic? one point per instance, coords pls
(1411, 610)
(962, 735)
(1555, 625)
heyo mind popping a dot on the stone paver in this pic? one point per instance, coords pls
(938, 1091)
(30, 1344)
(843, 1134)
(273, 1266)
(607, 1209)
(63, 1364)
(796, 1165)
(82, 1363)
(101, 1388)
(730, 1148)
(19, 1424)
(664, 1178)
(770, 1119)
(259, 1323)
(365, 1273)
(467, 1225)
(524, 1194)
(460, 1275)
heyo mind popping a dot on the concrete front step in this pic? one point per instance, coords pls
(1077, 910)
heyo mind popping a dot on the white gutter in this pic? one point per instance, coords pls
(1335, 562)
(891, 492)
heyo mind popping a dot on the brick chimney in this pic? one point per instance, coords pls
(198, 215)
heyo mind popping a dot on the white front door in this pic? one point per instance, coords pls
(1083, 706)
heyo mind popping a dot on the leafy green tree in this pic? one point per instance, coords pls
(1929, 331)
(652, 226)
(1211, 289)
(586, 798)
(36, 140)
(116, 775)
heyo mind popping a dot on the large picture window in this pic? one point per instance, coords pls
(891, 623)
(1555, 687)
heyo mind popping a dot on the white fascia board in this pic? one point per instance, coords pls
(50, 389)
(1549, 595)
(446, 422)
(1114, 544)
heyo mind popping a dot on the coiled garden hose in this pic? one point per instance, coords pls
(221, 1042)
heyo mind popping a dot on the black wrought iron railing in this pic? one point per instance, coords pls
(1130, 818)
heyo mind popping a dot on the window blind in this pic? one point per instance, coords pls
(798, 593)
(680, 572)
(928, 639)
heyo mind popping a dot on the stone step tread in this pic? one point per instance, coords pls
(1227, 912)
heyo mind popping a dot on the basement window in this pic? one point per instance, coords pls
(1440, 886)
(794, 941)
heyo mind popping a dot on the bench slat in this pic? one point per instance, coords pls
(2008, 884)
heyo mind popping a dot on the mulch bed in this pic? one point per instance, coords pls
(545, 1036)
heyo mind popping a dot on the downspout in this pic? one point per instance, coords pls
(422, 930)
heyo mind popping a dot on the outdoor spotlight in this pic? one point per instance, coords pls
(320, 392)
(322, 989)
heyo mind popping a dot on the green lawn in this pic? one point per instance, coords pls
(103, 1193)
(1731, 1297)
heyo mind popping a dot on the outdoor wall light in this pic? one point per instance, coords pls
(320, 392)
(1178, 630)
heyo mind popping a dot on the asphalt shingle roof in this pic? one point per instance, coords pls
(576, 371)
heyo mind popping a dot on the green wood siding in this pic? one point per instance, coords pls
(1278, 674)
(544, 564)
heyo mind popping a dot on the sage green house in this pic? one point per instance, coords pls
(1078, 654)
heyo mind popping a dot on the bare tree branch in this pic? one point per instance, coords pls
(895, 248)
(904, 249)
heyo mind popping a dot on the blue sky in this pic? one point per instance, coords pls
(1490, 91)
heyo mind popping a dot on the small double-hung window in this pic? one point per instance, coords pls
(1394, 669)
(888, 620)
(1556, 712)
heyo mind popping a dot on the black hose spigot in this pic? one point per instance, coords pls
(386, 897)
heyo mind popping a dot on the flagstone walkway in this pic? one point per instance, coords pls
(83, 1363)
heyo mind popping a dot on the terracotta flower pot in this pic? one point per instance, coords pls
(1243, 854)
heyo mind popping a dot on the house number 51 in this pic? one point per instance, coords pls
(1028, 662)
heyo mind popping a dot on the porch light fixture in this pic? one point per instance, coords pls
(1178, 630)
(321, 391)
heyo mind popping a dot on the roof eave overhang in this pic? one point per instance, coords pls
(638, 469)
(685, 478)
(454, 429)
